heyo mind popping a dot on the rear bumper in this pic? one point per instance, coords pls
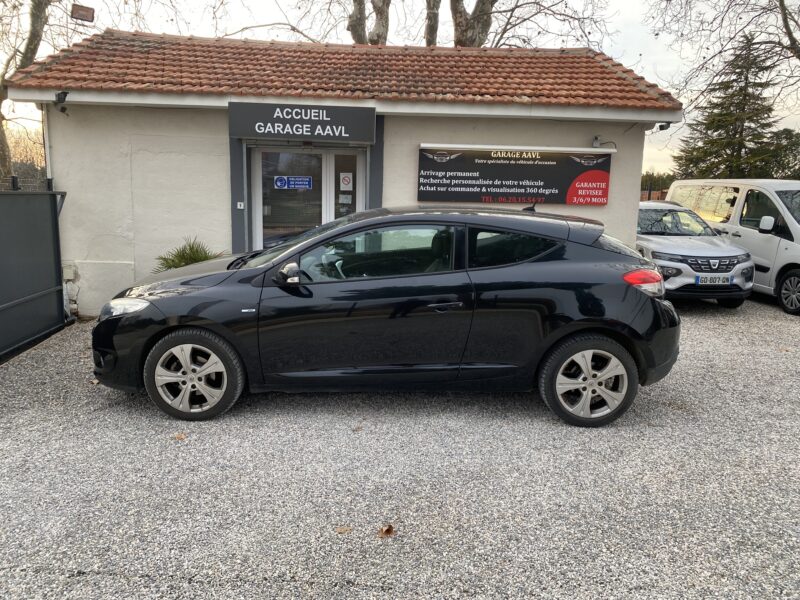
(661, 351)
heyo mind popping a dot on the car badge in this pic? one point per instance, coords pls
(442, 157)
(714, 264)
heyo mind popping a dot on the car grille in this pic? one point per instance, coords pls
(711, 265)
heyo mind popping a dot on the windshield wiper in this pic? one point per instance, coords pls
(238, 263)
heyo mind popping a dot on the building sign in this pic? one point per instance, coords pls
(292, 182)
(306, 122)
(513, 176)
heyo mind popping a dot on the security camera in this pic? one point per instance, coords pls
(61, 97)
(663, 126)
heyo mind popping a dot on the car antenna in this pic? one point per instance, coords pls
(531, 208)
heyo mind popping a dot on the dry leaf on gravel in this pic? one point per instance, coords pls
(358, 428)
(386, 531)
(343, 529)
(95, 382)
(180, 436)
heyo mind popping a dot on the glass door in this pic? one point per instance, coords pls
(294, 190)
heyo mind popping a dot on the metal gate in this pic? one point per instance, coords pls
(31, 288)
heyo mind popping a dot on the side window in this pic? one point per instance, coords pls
(490, 248)
(382, 252)
(715, 203)
(756, 205)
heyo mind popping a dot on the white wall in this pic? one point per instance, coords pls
(404, 134)
(138, 180)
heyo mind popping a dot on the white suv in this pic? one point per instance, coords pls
(760, 215)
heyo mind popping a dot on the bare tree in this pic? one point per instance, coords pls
(472, 28)
(357, 22)
(432, 21)
(707, 31)
(29, 27)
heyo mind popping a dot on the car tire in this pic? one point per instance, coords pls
(193, 374)
(789, 292)
(577, 397)
(730, 302)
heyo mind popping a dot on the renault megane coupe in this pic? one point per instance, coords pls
(442, 298)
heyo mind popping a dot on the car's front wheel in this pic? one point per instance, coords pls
(588, 380)
(789, 292)
(193, 374)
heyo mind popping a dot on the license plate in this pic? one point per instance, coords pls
(713, 279)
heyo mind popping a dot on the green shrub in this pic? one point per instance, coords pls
(188, 253)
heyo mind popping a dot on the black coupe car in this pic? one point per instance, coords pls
(453, 298)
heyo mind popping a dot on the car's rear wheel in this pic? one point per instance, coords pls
(193, 374)
(588, 380)
(789, 292)
(730, 302)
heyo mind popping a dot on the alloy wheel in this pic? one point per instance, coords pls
(591, 384)
(790, 293)
(190, 378)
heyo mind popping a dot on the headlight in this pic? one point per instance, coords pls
(122, 306)
(742, 258)
(665, 256)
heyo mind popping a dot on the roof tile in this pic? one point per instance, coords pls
(141, 62)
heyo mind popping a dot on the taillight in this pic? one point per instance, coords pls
(649, 281)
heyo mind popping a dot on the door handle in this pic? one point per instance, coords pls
(736, 234)
(441, 307)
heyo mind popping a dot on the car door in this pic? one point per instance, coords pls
(743, 231)
(387, 305)
(509, 270)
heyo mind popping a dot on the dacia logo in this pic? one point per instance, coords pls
(714, 264)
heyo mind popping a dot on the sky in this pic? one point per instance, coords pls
(631, 43)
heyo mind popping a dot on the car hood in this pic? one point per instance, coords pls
(690, 245)
(175, 282)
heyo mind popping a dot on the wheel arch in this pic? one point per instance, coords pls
(174, 326)
(624, 338)
(782, 271)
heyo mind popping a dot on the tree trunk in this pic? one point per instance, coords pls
(357, 22)
(5, 152)
(38, 20)
(472, 29)
(380, 29)
(432, 21)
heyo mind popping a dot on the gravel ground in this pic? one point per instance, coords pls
(694, 493)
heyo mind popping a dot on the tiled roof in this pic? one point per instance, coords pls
(121, 61)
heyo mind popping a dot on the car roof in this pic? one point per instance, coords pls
(770, 184)
(655, 204)
(569, 227)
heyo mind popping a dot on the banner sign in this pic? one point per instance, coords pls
(513, 176)
(306, 122)
(292, 182)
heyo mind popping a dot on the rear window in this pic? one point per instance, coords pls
(491, 248)
(606, 242)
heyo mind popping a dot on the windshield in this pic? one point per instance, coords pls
(269, 254)
(666, 221)
(791, 200)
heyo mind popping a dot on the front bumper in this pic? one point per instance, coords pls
(118, 347)
(684, 284)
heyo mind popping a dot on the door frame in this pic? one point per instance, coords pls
(328, 183)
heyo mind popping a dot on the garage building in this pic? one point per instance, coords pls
(156, 138)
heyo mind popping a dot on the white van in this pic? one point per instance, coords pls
(760, 215)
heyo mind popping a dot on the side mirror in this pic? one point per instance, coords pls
(717, 230)
(766, 225)
(289, 274)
